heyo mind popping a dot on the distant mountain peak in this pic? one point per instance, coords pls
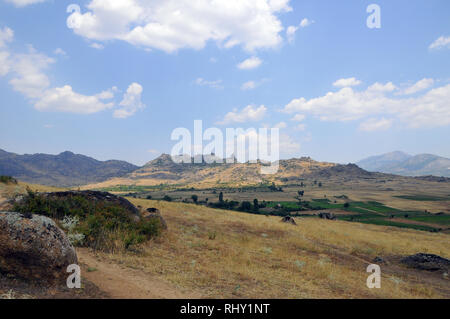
(404, 164)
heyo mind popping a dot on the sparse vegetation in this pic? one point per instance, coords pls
(7, 180)
(99, 225)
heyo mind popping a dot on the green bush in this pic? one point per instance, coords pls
(105, 226)
(7, 180)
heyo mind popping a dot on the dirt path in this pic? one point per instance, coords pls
(126, 283)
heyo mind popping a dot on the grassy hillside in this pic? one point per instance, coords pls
(223, 254)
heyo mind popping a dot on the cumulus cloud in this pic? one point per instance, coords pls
(131, 102)
(374, 124)
(418, 86)
(24, 3)
(64, 99)
(217, 84)
(171, 25)
(250, 63)
(440, 43)
(431, 109)
(28, 77)
(347, 82)
(248, 114)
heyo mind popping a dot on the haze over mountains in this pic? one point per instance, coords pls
(400, 163)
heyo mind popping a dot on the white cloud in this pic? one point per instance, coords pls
(4, 63)
(347, 82)
(300, 127)
(305, 23)
(250, 85)
(60, 51)
(249, 114)
(250, 63)
(440, 43)
(131, 102)
(419, 86)
(281, 125)
(64, 99)
(6, 35)
(97, 46)
(212, 84)
(298, 118)
(23, 3)
(374, 124)
(290, 33)
(29, 77)
(291, 30)
(428, 110)
(171, 25)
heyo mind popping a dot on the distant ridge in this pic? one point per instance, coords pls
(63, 170)
(400, 163)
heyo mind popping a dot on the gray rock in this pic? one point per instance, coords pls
(288, 220)
(34, 248)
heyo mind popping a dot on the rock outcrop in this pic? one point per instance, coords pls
(428, 262)
(34, 248)
(288, 220)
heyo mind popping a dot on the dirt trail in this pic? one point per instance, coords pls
(126, 283)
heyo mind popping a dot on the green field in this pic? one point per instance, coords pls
(423, 198)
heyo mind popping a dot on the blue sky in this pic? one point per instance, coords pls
(130, 72)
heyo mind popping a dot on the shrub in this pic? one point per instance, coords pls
(7, 180)
(99, 225)
(167, 198)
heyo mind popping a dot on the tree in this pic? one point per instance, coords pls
(301, 193)
(194, 198)
(221, 197)
(255, 203)
(246, 206)
(167, 198)
(320, 184)
(346, 205)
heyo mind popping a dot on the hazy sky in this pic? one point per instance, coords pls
(114, 79)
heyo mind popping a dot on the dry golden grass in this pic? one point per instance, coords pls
(223, 254)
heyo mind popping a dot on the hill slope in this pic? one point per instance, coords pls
(65, 169)
(164, 171)
(403, 164)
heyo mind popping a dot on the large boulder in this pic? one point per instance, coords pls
(33, 248)
(99, 197)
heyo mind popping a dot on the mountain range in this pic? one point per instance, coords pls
(65, 169)
(68, 170)
(400, 163)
